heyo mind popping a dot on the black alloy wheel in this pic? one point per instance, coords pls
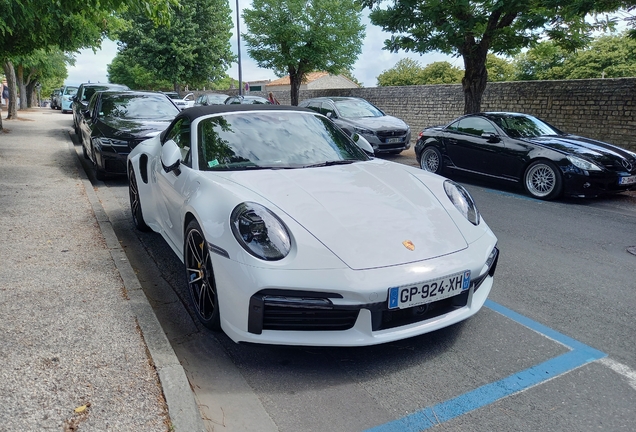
(200, 277)
(431, 160)
(135, 202)
(100, 174)
(543, 180)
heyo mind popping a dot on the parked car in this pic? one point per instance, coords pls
(385, 133)
(83, 96)
(182, 102)
(116, 121)
(519, 148)
(210, 99)
(55, 98)
(66, 98)
(291, 235)
(249, 100)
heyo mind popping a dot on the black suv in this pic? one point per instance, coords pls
(385, 133)
(83, 96)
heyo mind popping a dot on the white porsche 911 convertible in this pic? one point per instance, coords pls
(291, 234)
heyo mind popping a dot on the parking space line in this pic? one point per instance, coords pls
(579, 355)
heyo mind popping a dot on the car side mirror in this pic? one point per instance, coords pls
(363, 144)
(86, 114)
(491, 137)
(170, 156)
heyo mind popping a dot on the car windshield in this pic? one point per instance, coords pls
(524, 126)
(90, 91)
(135, 106)
(355, 108)
(272, 139)
(70, 91)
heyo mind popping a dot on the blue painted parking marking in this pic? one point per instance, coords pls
(579, 355)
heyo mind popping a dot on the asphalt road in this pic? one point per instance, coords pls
(554, 350)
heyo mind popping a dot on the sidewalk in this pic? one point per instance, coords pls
(80, 347)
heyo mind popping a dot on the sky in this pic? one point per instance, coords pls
(372, 61)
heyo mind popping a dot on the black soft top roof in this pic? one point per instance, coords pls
(200, 111)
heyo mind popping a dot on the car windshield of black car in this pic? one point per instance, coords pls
(524, 127)
(353, 108)
(131, 106)
(271, 139)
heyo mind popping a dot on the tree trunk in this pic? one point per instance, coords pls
(9, 72)
(475, 79)
(295, 79)
(21, 87)
(31, 94)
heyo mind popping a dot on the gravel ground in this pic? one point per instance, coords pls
(71, 354)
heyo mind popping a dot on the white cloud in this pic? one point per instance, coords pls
(371, 63)
(91, 66)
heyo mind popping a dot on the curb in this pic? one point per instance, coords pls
(182, 407)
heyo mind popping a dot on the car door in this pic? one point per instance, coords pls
(176, 186)
(86, 125)
(470, 150)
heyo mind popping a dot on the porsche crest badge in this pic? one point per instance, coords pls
(409, 245)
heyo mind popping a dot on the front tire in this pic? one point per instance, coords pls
(543, 180)
(200, 277)
(135, 202)
(431, 160)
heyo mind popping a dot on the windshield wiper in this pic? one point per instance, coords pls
(331, 163)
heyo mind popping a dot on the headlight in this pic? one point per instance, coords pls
(363, 131)
(583, 164)
(462, 200)
(260, 232)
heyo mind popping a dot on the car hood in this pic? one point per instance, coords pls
(362, 212)
(377, 123)
(598, 151)
(126, 129)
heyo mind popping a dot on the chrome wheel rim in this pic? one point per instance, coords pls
(541, 180)
(200, 275)
(430, 161)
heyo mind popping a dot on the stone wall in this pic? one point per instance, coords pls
(603, 109)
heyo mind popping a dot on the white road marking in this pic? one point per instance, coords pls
(621, 369)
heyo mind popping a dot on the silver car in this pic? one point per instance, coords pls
(353, 115)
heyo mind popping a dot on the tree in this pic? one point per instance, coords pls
(28, 25)
(296, 37)
(499, 69)
(125, 70)
(609, 56)
(194, 50)
(37, 67)
(472, 28)
(410, 72)
(541, 62)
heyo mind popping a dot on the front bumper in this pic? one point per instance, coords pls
(389, 141)
(343, 307)
(577, 184)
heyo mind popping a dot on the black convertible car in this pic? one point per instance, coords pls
(519, 148)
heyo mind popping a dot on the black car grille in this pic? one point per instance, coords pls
(288, 310)
(391, 133)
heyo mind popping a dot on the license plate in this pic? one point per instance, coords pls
(429, 291)
(627, 180)
(393, 140)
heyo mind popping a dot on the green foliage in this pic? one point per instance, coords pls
(472, 28)
(28, 25)
(499, 69)
(609, 56)
(48, 67)
(541, 62)
(410, 72)
(224, 83)
(192, 51)
(124, 70)
(296, 37)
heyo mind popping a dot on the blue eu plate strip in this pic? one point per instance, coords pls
(426, 418)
